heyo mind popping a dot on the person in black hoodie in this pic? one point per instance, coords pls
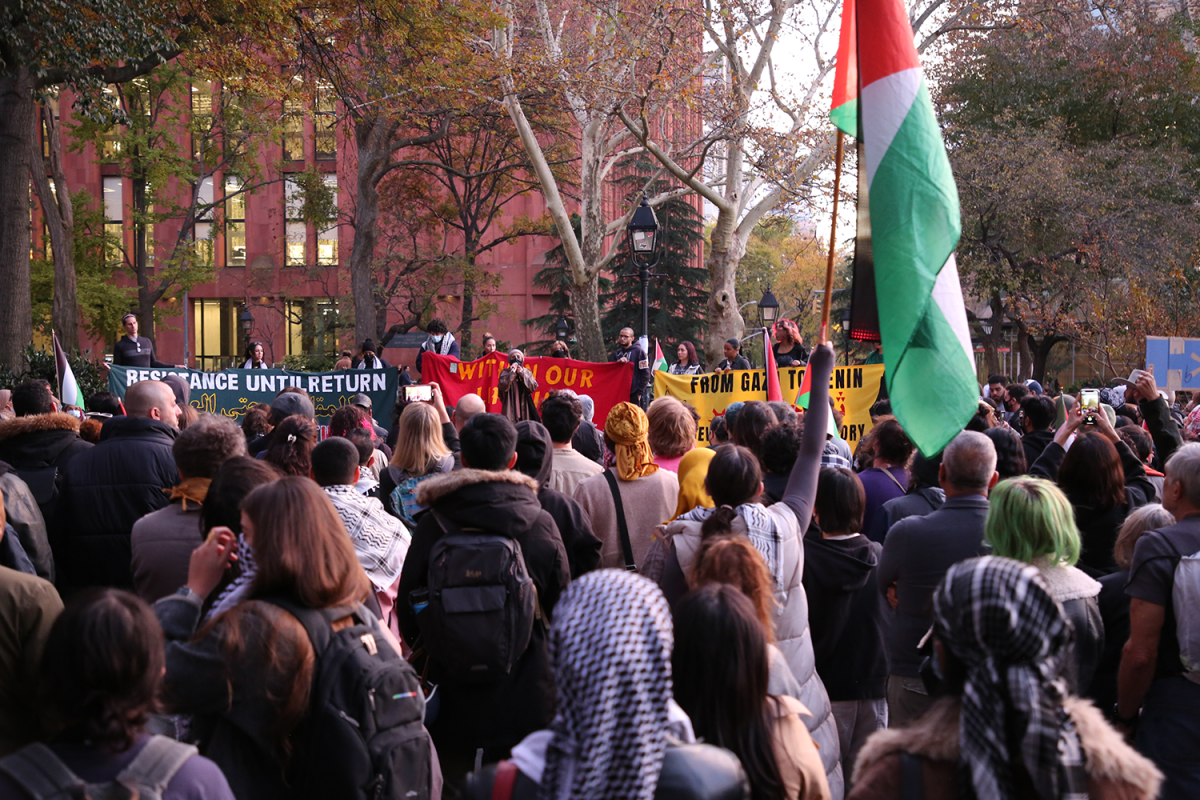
(116, 483)
(1036, 425)
(845, 611)
(488, 495)
(534, 449)
(779, 445)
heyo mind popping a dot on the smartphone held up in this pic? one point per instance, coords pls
(418, 392)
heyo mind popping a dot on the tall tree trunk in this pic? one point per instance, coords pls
(585, 308)
(724, 319)
(147, 298)
(371, 135)
(17, 112)
(59, 215)
(468, 311)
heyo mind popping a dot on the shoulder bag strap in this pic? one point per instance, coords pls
(504, 781)
(41, 773)
(622, 525)
(895, 480)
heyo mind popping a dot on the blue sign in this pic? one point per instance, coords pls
(1175, 362)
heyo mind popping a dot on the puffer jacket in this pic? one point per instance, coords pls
(1079, 596)
(791, 626)
(109, 488)
(1115, 770)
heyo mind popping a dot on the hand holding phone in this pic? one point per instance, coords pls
(1089, 404)
(418, 393)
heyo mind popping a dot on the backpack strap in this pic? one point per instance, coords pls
(318, 622)
(912, 782)
(622, 525)
(42, 774)
(156, 764)
(504, 780)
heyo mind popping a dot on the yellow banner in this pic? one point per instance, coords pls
(853, 390)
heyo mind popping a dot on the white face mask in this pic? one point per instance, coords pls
(437, 339)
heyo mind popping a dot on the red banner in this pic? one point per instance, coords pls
(606, 384)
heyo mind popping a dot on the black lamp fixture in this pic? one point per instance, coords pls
(247, 320)
(561, 329)
(768, 308)
(643, 235)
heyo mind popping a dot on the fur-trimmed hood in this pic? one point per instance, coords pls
(40, 440)
(476, 498)
(935, 737)
(57, 421)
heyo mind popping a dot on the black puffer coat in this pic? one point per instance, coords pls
(109, 488)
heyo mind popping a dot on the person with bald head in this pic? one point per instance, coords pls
(916, 554)
(629, 351)
(113, 485)
(468, 406)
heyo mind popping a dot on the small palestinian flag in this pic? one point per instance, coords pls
(68, 387)
(660, 363)
(805, 389)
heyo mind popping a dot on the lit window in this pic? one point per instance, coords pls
(324, 124)
(293, 131)
(327, 240)
(202, 117)
(235, 223)
(202, 229)
(114, 212)
(295, 247)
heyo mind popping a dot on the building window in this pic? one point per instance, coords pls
(114, 212)
(111, 149)
(202, 117)
(312, 327)
(235, 223)
(295, 246)
(217, 342)
(202, 229)
(293, 131)
(327, 240)
(324, 124)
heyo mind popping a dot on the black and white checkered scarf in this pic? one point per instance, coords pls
(610, 650)
(997, 617)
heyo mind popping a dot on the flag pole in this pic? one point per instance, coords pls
(837, 189)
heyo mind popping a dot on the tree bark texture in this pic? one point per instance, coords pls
(724, 319)
(59, 215)
(17, 113)
(371, 135)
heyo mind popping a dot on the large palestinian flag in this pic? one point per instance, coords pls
(914, 222)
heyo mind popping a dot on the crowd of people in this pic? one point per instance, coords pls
(478, 605)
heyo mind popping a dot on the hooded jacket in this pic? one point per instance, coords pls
(492, 716)
(845, 615)
(535, 458)
(1034, 443)
(43, 443)
(109, 488)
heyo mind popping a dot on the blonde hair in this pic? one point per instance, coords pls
(672, 430)
(419, 442)
(1147, 518)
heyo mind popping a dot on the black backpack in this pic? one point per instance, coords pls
(364, 737)
(482, 605)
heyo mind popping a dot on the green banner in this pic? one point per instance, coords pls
(232, 391)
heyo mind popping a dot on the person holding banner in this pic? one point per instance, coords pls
(688, 363)
(733, 358)
(630, 352)
(789, 345)
(254, 357)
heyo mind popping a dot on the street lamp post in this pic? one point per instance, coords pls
(644, 247)
(561, 329)
(768, 312)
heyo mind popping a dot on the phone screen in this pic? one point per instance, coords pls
(1089, 399)
(420, 392)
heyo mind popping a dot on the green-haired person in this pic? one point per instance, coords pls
(1031, 520)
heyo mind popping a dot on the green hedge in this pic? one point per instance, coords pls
(90, 375)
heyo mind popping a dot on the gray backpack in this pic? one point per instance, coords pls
(45, 777)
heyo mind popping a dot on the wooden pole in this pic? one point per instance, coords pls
(837, 190)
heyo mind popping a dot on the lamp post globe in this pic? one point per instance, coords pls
(644, 245)
(247, 320)
(561, 329)
(768, 309)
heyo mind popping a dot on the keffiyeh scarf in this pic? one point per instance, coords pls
(610, 651)
(239, 588)
(997, 617)
(380, 540)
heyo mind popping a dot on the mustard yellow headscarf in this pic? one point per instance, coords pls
(693, 469)
(627, 427)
